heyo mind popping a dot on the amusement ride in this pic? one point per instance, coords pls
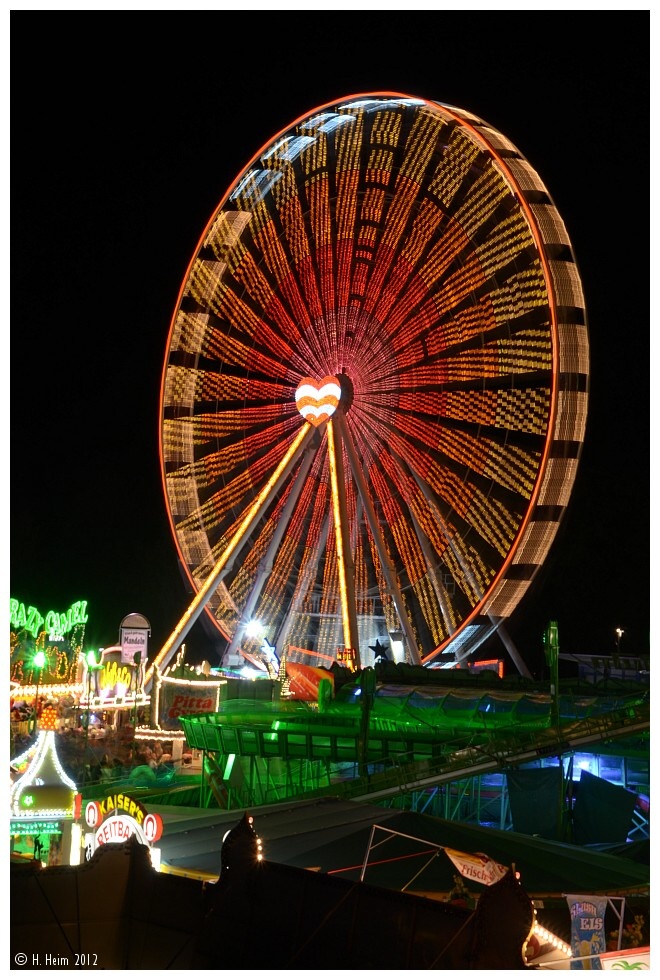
(375, 390)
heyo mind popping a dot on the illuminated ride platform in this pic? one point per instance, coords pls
(408, 740)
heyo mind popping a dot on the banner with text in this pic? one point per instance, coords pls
(185, 699)
(477, 867)
(587, 930)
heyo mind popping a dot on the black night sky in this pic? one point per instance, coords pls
(126, 132)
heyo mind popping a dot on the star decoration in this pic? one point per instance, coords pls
(269, 652)
(380, 651)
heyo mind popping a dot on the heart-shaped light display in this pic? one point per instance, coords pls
(317, 400)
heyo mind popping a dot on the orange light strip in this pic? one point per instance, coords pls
(190, 616)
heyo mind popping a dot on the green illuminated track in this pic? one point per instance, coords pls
(266, 753)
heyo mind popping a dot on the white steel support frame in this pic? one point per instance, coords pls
(511, 649)
(344, 554)
(386, 564)
(222, 565)
(266, 564)
(432, 568)
(305, 577)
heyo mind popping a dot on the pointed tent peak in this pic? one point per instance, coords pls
(44, 785)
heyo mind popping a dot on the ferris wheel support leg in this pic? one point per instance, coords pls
(460, 557)
(196, 607)
(438, 587)
(267, 564)
(344, 553)
(304, 583)
(512, 650)
(388, 571)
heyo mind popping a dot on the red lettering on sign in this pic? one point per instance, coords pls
(188, 705)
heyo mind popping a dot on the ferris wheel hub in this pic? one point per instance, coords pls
(318, 400)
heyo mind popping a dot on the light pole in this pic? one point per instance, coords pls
(92, 664)
(367, 695)
(137, 660)
(619, 633)
(38, 663)
(551, 646)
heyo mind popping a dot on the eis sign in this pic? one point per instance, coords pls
(115, 819)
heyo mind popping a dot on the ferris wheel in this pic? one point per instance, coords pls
(374, 394)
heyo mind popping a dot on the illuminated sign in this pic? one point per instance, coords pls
(47, 827)
(317, 400)
(55, 624)
(133, 641)
(178, 697)
(478, 665)
(115, 679)
(118, 817)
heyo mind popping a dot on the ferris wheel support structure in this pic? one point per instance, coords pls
(386, 564)
(196, 607)
(342, 533)
(269, 558)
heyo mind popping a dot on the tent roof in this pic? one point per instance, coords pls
(333, 836)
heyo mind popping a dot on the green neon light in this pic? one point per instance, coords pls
(39, 660)
(22, 828)
(55, 623)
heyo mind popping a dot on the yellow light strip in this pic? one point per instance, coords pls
(197, 605)
(545, 936)
(349, 640)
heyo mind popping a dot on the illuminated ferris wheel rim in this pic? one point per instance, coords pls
(568, 355)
